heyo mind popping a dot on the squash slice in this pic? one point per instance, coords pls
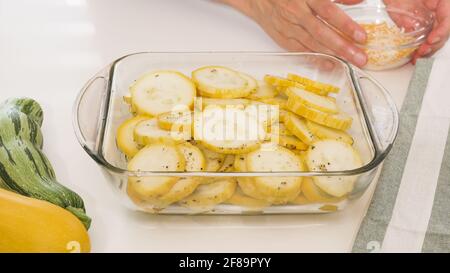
(333, 155)
(125, 136)
(221, 82)
(312, 100)
(277, 190)
(206, 196)
(154, 157)
(162, 91)
(339, 121)
(148, 131)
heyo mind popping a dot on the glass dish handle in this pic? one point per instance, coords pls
(88, 112)
(379, 110)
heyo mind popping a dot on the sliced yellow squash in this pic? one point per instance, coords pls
(125, 136)
(239, 198)
(182, 189)
(228, 164)
(313, 86)
(297, 126)
(333, 155)
(324, 132)
(277, 190)
(195, 160)
(162, 91)
(206, 196)
(228, 130)
(278, 100)
(300, 199)
(339, 121)
(175, 121)
(213, 160)
(281, 83)
(148, 131)
(292, 143)
(263, 91)
(312, 100)
(154, 157)
(206, 102)
(314, 194)
(221, 82)
(252, 83)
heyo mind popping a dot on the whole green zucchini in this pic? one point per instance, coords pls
(23, 166)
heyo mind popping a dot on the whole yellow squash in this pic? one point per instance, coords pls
(31, 225)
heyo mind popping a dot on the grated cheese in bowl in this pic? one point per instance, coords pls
(387, 46)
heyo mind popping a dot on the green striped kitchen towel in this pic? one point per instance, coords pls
(410, 209)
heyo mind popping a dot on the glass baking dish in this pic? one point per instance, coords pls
(99, 109)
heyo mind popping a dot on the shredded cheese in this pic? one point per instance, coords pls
(382, 43)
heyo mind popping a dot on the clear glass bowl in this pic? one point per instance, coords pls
(99, 110)
(394, 32)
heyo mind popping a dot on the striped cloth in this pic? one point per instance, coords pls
(410, 209)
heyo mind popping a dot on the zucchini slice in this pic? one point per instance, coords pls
(239, 198)
(221, 82)
(277, 190)
(314, 194)
(297, 126)
(324, 132)
(195, 160)
(175, 121)
(148, 131)
(154, 157)
(252, 84)
(265, 114)
(339, 121)
(278, 100)
(300, 199)
(246, 184)
(213, 160)
(333, 155)
(125, 136)
(263, 91)
(182, 189)
(312, 100)
(228, 164)
(281, 129)
(292, 143)
(206, 102)
(228, 130)
(206, 196)
(162, 91)
(313, 86)
(281, 83)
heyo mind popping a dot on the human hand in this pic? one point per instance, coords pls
(308, 25)
(441, 29)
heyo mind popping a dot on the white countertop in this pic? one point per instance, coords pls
(50, 48)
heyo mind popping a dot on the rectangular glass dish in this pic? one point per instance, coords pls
(100, 109)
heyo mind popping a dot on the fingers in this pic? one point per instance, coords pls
(294, 26)
(336, 17)
(431, 4)
(294, 31)
(442, 30)
(334, 41)
(348, 2)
